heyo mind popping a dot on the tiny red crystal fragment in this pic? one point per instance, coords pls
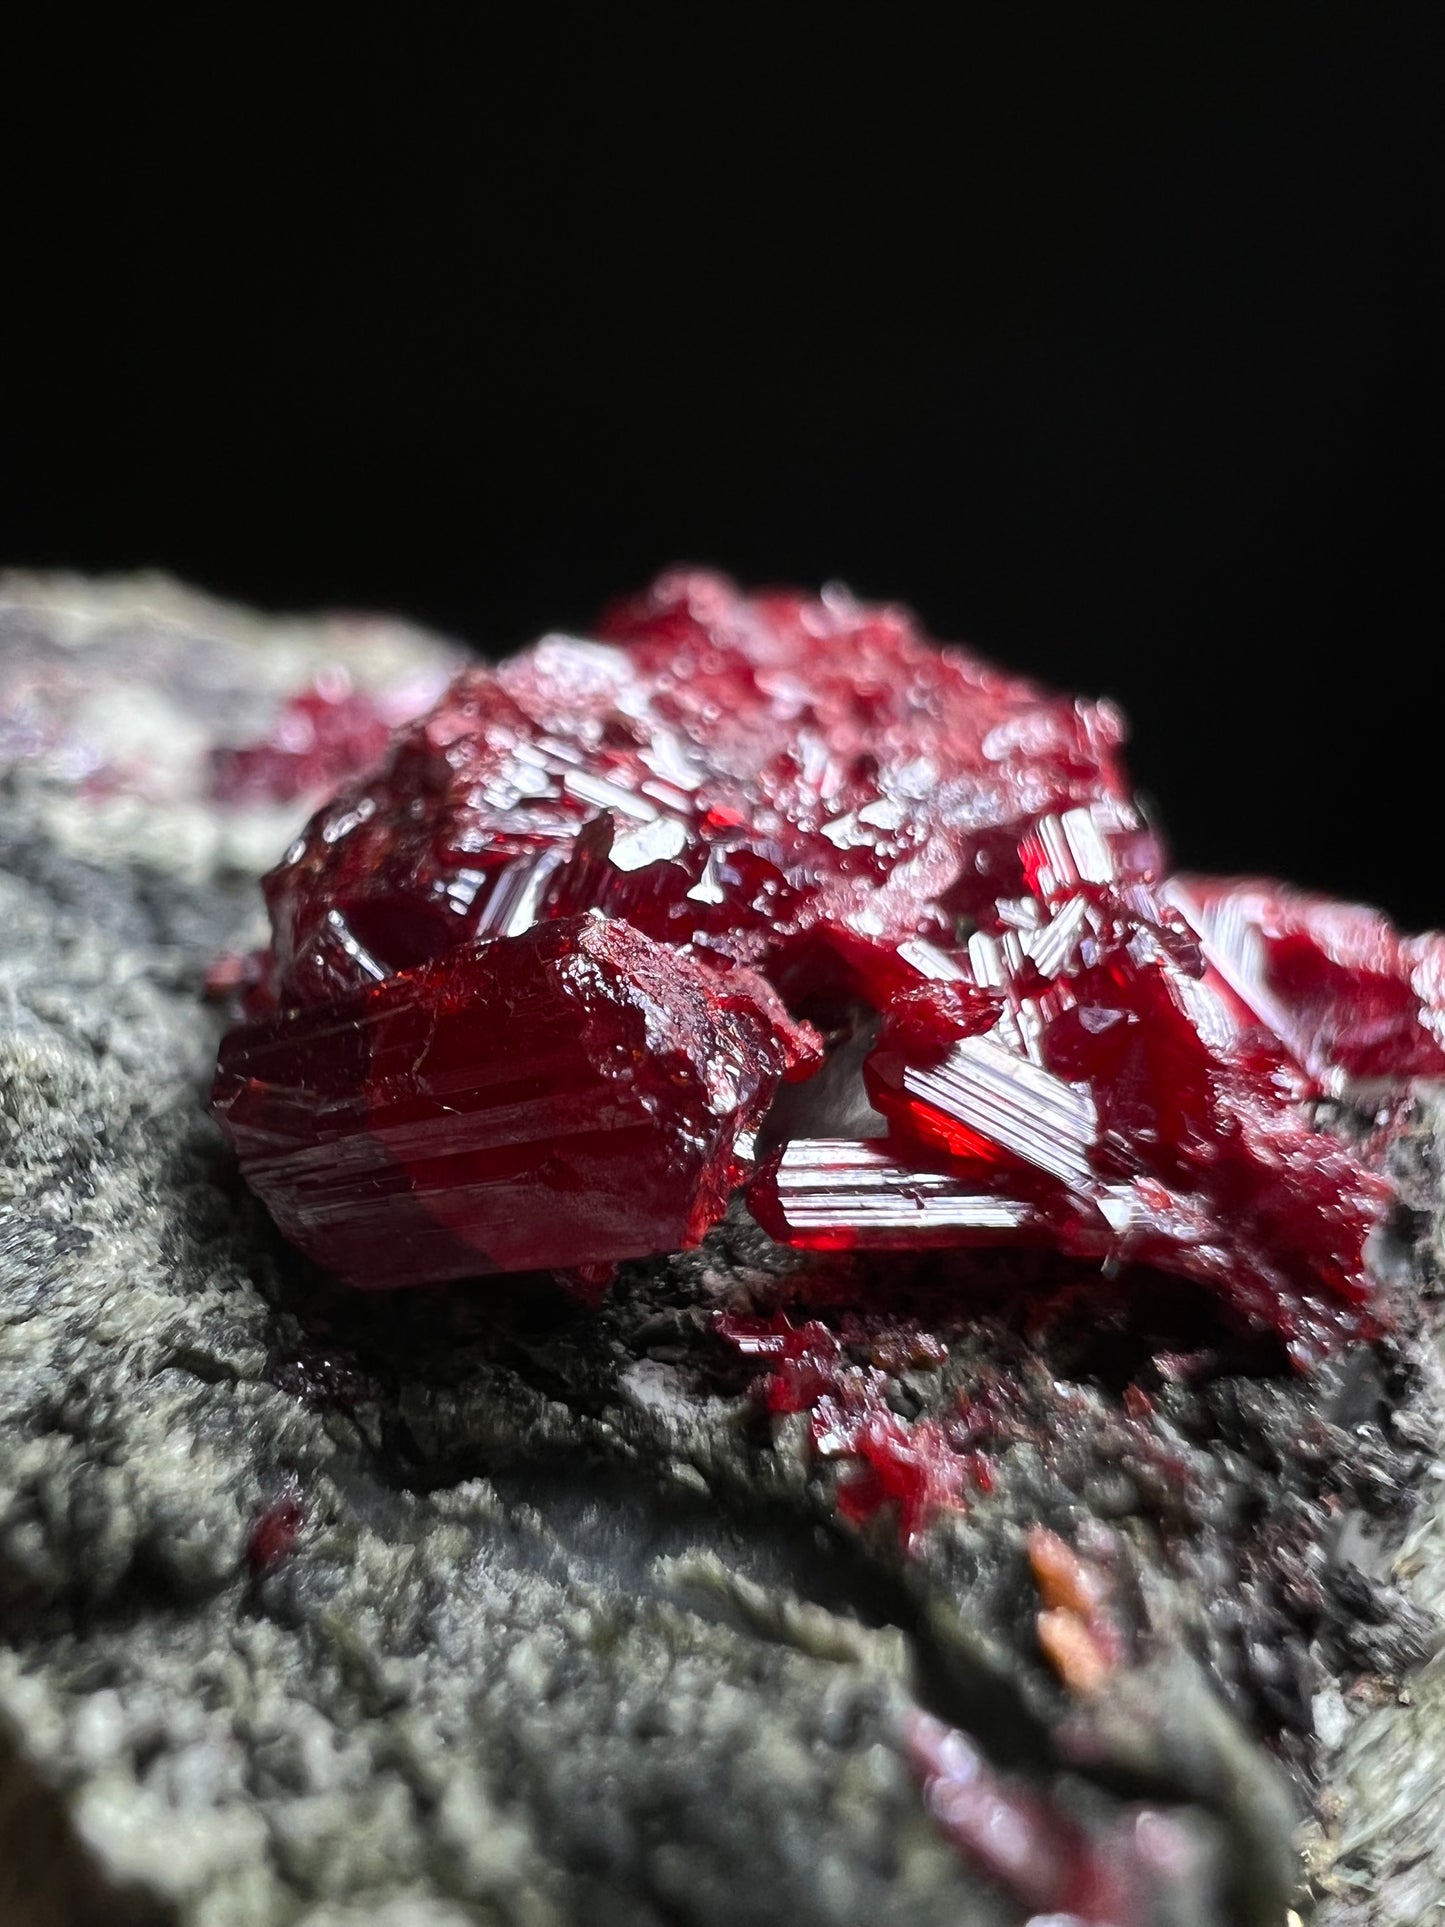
(910, 1469)
(533, 983)
(274, 1530)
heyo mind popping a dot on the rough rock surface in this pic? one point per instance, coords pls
(481, 1607)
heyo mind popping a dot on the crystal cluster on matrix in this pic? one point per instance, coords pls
(535, 984)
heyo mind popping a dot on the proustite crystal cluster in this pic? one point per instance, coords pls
(537, 983)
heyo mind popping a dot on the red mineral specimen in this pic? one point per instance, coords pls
(274, 1529)
(730, 774)
(1123, 1093)
(566, 1097)
(529, 990)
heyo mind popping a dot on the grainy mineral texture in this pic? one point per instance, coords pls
(485, 1607)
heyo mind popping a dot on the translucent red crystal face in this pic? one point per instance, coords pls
(577, 1089)
(535, 984)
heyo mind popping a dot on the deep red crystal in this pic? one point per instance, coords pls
(726, 773)
(529, 991)
(569, 1096)
(1336, 981)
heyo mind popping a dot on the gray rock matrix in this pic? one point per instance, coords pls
(570, 1632)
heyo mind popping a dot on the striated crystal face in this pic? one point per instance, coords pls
(534, 984)
(1349, 994)
(729, 774)
(568, 1097)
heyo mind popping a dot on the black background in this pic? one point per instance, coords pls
(1102, 334)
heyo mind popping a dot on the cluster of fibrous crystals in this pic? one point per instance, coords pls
(534, 985)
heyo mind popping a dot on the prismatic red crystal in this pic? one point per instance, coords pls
(562, 1098)
(534, 983)
(1349, 995)
(741, 777)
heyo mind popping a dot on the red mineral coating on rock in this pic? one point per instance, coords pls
(510, 1018)
(322, 735)
(885, 1464)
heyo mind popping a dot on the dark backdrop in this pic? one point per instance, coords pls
(1104, 335)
